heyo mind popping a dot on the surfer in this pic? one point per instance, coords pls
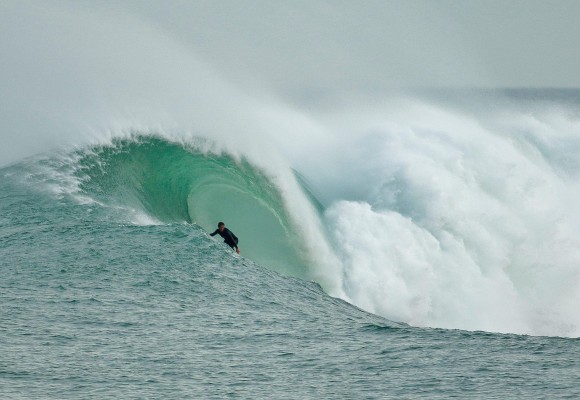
(229, 238)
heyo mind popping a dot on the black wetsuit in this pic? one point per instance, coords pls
(229, 238)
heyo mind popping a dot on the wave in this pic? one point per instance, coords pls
(460, 220)
(183, 183)
(454, 209)
(450, 222)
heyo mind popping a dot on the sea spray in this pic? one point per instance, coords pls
(451, 223)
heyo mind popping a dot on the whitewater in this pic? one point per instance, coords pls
(404, 243)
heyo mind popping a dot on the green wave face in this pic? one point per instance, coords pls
(175, 183)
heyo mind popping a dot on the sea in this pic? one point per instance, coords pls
(426, 247)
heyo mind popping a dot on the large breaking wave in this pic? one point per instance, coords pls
(443, 222)
(455, 214)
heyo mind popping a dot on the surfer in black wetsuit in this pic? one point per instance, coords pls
(229, 238)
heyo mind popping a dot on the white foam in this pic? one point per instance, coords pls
(449, 224)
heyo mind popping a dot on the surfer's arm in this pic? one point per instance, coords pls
(215, 232)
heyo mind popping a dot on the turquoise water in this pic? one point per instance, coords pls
(110, 290)
(408, 219)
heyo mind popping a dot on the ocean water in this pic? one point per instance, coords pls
(430, 251)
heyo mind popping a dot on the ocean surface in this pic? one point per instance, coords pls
(430, 257)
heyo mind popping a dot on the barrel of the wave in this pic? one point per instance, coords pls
(154, 179)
